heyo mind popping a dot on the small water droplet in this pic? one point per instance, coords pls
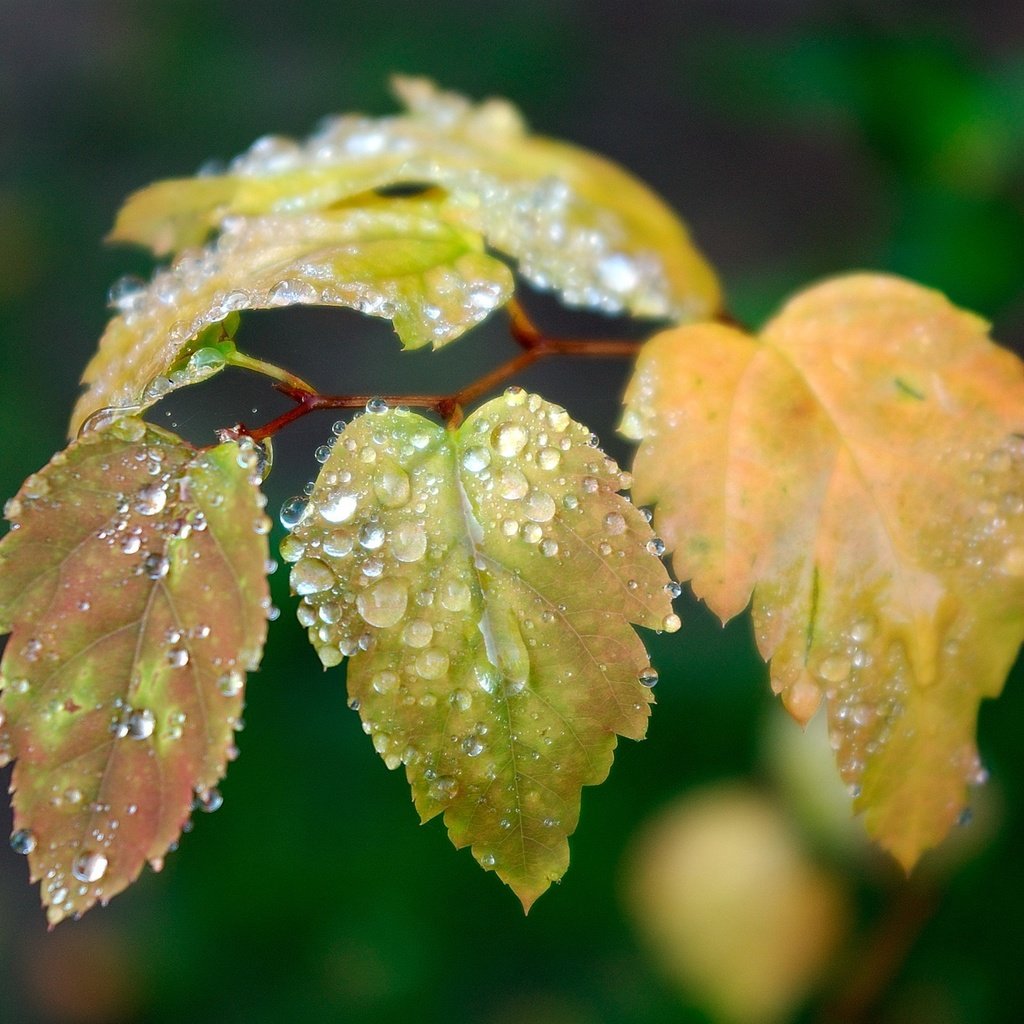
(156, 566)
(23, 841)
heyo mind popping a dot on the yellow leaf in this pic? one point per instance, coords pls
(859, 469)
(483, 582)
(577, 223)
(408, 260)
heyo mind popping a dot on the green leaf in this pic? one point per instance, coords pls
(483, 582)
(577, 223)
(859, 470)
(411, 261)
(133, 584)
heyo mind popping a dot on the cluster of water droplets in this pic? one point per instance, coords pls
(442, 564)
(156, 490)
(276, 261)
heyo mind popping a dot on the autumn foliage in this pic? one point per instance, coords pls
(854, 472)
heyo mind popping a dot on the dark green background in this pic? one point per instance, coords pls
(798, 139)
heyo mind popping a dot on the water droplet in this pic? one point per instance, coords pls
(376, 406)
(671, 623)
(337, 506)
(141, 724)
(673, 589)
(539, 506)
(647, 677)
(512, 484)
(231, 683)
(656, 546)
(418, 633)
(338, 543)
(455, 596)
(371, 535)
(209, 800)
(311, 576)
(432, 663)
(532, 533)
(549, 458)
(472, 746)
(177, 657)
(156, 566)
(615, 523)
(509, 439)
(89, 866)
(293, 512)
(549, 548)
(384, 682)
(409, 542)
(151, 500)
(476, 459)
(384, 603)
(23, 841)
(392, 486)
(835, 668)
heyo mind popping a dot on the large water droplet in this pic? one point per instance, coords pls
(337, 506)
(384, 603)
(311, 576)
(155, 566)
(151, 500)
(512, 484)
(89, 866)
(392, 487)
(141, 724)
(539, 506)
(409, 542)
(293, 512)
(509, 439)
(432, 663)
(476, 459)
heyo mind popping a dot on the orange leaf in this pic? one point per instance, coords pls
(859, 469)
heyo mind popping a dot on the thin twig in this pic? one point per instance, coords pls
(448, 406)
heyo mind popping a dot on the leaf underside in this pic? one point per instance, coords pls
(411, 261)
(858, 469)
(133, 584)
(482, 583)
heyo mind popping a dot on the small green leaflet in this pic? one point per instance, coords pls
(411, 261)
(133, 584)
(483, 582)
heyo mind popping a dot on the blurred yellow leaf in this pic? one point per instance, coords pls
(576, 223)
(859, 469)
(732, 907)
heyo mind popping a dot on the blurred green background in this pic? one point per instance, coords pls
(799, 139)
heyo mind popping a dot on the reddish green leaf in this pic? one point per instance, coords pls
(483, 582)
(859, 469)
(133, 584)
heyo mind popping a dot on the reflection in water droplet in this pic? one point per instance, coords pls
(89, 866)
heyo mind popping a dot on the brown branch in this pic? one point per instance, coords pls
(449, 406)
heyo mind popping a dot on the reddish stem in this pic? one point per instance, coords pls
(449, 407)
